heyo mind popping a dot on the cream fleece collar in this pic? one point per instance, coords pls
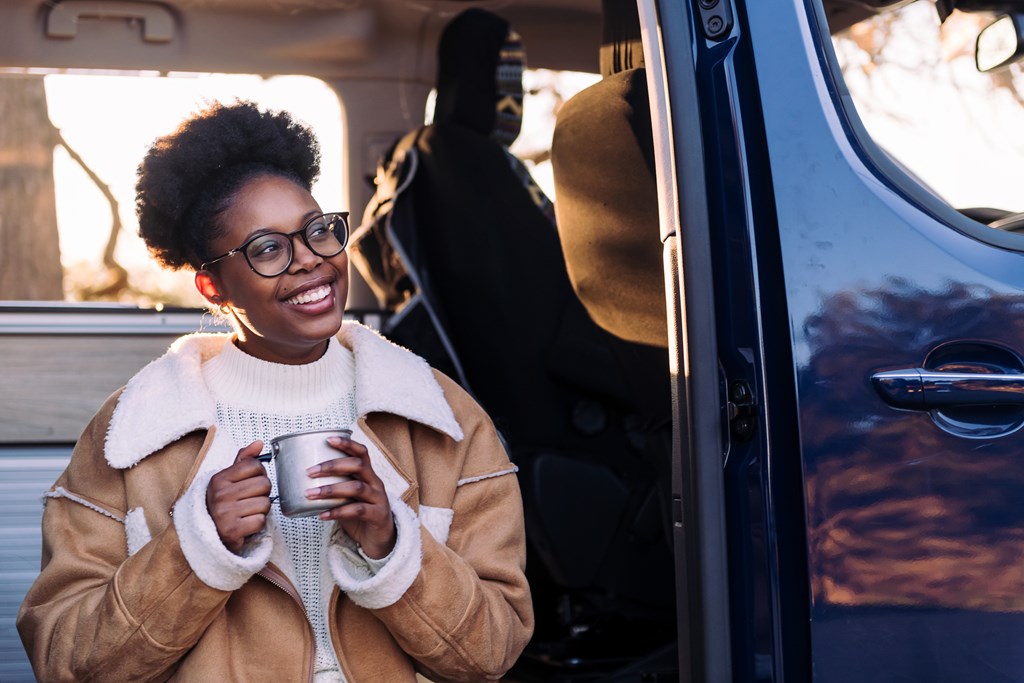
(168, 398)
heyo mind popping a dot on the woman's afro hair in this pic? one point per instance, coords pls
(188, 178)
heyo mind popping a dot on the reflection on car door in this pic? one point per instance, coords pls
(914, 518)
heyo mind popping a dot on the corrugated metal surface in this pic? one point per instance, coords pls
(25, 473)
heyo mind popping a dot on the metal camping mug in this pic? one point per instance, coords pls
(293, 454)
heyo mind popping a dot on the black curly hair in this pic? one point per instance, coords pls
(189, 178)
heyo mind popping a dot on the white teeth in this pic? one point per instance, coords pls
(313, 295)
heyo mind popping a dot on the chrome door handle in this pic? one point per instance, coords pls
(920, 389)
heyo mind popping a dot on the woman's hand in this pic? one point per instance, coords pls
(238, 498)
(366, 516)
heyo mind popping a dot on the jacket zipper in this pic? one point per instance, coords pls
(332, 617)
(271, 574)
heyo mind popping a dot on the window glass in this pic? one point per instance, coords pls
(922, 100)
(544, 92)
(79, 138)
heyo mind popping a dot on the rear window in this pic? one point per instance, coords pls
(70, 144)
(544, 93)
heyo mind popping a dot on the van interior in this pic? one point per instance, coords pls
(439, 136)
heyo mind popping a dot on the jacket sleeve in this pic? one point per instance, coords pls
(468, 614)
(94, 613)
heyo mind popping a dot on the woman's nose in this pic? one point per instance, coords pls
(303, 258)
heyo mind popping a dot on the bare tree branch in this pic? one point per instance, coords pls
(117, 280)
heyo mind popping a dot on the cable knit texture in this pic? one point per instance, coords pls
(259, 400)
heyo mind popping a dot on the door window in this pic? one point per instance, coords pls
(923, 101)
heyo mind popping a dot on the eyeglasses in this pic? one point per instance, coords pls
(270, 253)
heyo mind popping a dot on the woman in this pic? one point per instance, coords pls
(164, 556)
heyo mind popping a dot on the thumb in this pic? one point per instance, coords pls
(250, 451)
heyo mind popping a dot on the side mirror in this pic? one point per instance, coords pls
(1000, 43)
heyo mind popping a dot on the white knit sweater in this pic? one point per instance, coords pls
(257, 399)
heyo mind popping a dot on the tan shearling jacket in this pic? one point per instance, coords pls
(129, 590)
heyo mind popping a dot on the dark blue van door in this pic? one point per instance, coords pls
(868, 345)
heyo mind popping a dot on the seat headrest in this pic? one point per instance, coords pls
(621, 46)
(480, 75)
(602, 155)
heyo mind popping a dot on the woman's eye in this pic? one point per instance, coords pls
(318, 230)
(264, 248)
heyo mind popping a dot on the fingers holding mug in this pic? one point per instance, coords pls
(237, 498)
(366, 514)
(353, 477)
(356, 464)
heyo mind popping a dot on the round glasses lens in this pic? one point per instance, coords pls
(327, 234)
(269, 254)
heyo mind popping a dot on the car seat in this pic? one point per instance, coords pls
(461, 244)
(602, 155)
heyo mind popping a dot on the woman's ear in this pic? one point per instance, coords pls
(208, 288)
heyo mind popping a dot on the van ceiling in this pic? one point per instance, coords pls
(326, 38)
(450, 6)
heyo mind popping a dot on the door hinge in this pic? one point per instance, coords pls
(742, 411)
(715, 18)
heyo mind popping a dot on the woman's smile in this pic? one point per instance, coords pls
(311, 296)
(289, 317)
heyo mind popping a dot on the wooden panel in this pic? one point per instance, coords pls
(52, 385)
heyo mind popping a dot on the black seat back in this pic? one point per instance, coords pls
(462, 244)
